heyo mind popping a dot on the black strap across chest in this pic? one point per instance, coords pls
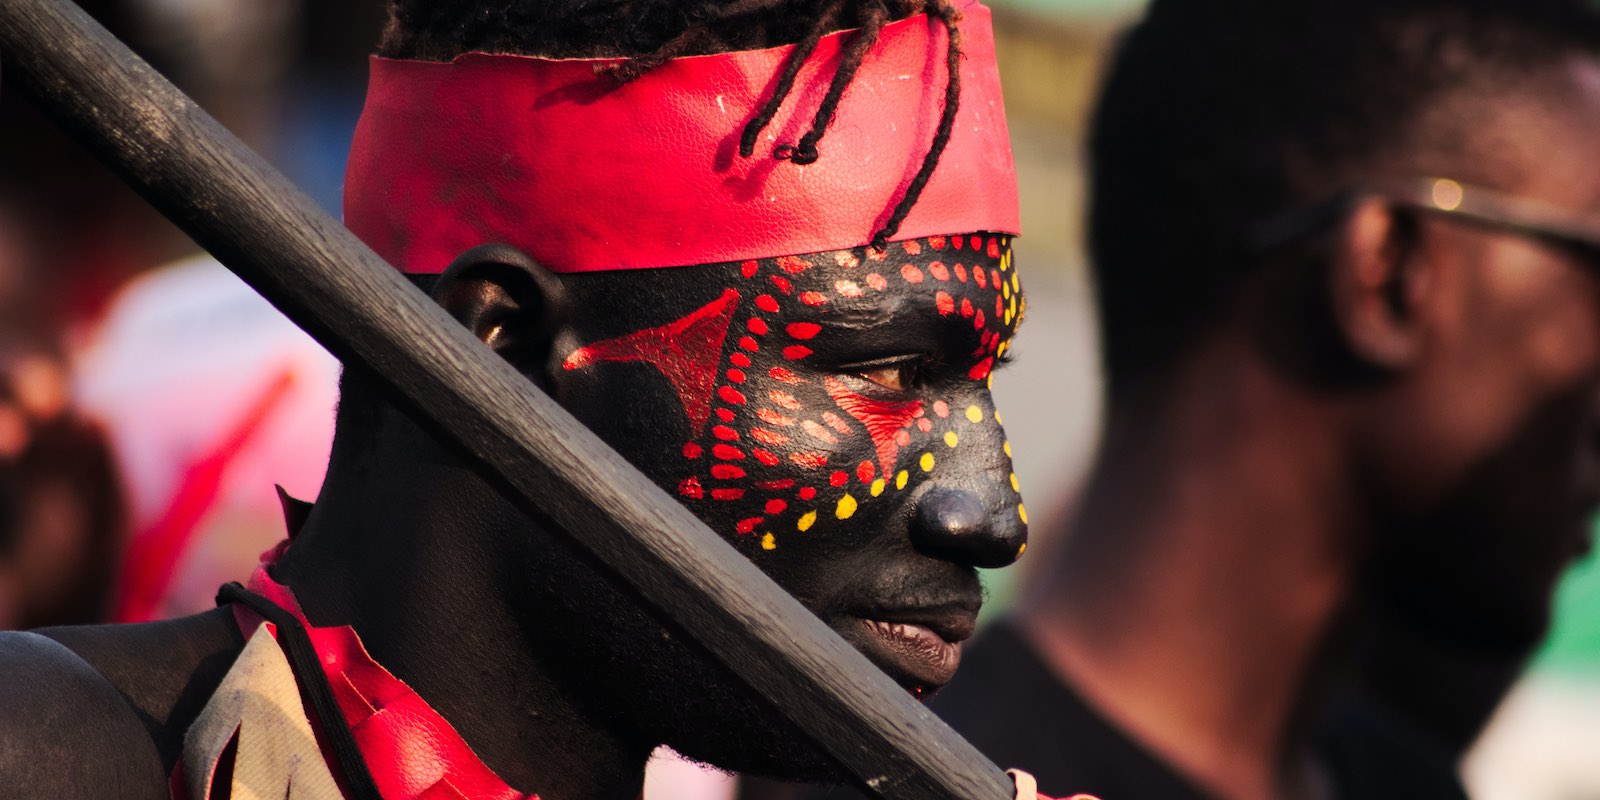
(315, 692)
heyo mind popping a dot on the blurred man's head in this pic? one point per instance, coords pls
(827, 412)
(1263, 177)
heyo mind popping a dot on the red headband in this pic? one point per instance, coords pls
(584, 174)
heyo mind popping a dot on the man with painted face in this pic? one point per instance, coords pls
(1346, 258)
(789, 325)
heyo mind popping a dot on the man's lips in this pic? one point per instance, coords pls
(920, 648)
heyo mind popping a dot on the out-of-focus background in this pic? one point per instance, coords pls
(152, 402)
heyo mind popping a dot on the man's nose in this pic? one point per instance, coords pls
(955, 525)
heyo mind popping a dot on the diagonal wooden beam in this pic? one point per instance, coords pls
(319, 275)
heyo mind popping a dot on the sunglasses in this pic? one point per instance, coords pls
(1471, 204)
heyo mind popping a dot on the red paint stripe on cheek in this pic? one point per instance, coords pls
(810, 460)
(727, 453)
(796, 352)
(726, 472)
(727, 494)
(765, 457)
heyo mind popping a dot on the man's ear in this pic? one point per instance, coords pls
(1380, 276)
(508, 302)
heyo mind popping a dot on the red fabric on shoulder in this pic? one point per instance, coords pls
(584, 174)
(412, 751)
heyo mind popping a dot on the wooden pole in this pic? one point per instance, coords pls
(319, 275)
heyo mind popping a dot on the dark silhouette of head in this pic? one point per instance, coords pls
(1466, 356)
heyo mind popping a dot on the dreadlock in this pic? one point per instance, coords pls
(648, 33)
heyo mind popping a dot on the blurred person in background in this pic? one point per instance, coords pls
(61, 510)
(208, 395)
(1346, 262)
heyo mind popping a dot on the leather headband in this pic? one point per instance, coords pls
(585, 174)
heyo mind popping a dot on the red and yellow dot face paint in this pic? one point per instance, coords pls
(822, 403)
(819, 393)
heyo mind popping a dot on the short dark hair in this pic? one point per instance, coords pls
(1215, 114)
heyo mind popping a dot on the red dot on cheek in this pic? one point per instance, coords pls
(776, 506)
(782, 283)
(725, 433)
(727, 494)
(877, 281)
(726, 472)
(749, 344)
(939, 271)
(725, 415)
(690, 487)
(767, 304)
(748, 525)
(735, 376)
(803, 330)
(748, 269)
(796, 352)
(866, 471)
(839, 479)
(902, 438)
(766, 457)
(757, 326)
(730, 395)
(813, 298)
(740, 360)
(941, 408)
(691, 450)
(808, 493)
(911, 273)
(924, 425)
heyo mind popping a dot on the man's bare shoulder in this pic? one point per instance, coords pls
(66, 731)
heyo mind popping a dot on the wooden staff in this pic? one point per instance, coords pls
(319, 275)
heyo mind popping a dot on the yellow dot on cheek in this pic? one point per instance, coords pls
(768, 542)
(950, 438)
(847, 507)
(807, 520)
(927, 462)
(1008, 449)
(1022, 549)
(974, 414)
(1014, 486)
(900, 480)
(1022, 513)
(877, 487)
(997, 417)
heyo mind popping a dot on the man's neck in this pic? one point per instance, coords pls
(431, 610)
(1202, 583)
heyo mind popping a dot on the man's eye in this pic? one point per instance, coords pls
(895, 377)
